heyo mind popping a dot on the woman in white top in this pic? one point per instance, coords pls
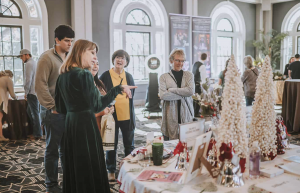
(6, 87)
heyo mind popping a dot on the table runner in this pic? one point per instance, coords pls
(291, 105)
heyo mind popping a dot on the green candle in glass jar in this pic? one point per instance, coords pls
(157, 153)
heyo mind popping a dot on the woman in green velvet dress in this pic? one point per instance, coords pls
(77, 96)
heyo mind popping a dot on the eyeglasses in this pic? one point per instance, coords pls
(180, 61)
(120, 58)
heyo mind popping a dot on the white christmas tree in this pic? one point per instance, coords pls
(263, 124)
(232, 125)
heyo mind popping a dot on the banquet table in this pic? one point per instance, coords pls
(129, 184)
(279, 87)
(291, 104)
(18, 120)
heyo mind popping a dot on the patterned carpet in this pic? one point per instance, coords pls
(22, 162)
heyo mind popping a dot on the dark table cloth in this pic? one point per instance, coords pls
(291, 105)
(18, 121)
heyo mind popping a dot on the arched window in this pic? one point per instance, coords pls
(291, 44)
(140, 28)
(225, 25)
(21, 27)
(31, 8)
(228, 35)
(138, 17)
(9, 8)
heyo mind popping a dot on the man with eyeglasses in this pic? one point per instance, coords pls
(199, 71)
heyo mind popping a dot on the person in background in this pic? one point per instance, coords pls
(101, 88)
(222, 75)
(176, 89)
(286, 68)
(47, 73)
(6, 88)
(294, 68)
(30, 95)
(199, 71)
(124, 109)
(249, 78)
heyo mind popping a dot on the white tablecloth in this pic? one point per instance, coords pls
(129, 184)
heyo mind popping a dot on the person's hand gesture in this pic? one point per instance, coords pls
(106, 111)
(127, 90)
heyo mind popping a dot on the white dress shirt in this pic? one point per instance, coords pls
(202, 70)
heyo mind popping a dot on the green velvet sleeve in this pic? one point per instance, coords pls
(59, 102)
(93, 95)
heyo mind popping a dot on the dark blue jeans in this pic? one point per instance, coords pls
(54, 127)
(249, 101)
(43, 111)
(34, 115)
(128, 141)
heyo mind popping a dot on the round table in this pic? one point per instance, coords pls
(291, 104)
(129, 183)
(17, 119)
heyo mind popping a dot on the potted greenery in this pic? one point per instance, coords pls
(270, 44)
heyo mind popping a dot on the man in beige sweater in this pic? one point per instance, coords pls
(46, 77)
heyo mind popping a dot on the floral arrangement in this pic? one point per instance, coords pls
(232, 124)
(209, 99)
(278, 76)
(263, 121)
(258, 62)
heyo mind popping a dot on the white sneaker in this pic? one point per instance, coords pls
(4, 126)
(2, 138)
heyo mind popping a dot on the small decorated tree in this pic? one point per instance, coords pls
(263, 124)
(232, 125)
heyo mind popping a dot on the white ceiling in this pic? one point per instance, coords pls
(260, 1)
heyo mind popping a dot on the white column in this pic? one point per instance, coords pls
(190, 7)
(259, 24)
(81, 11)
(259, 21)
(267, 9)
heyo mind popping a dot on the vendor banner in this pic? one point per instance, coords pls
(201, 32)
(180, 31)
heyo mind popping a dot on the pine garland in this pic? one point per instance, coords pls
(232, 125)
(263, 124)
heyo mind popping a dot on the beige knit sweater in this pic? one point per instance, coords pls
(6, 87)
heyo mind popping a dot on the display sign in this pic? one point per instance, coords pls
(180, 31)
(198, 159)
(201, 30)
(188, 132)
(153, 64)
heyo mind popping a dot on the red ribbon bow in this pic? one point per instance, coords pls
(225, 152)
(179, 148)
